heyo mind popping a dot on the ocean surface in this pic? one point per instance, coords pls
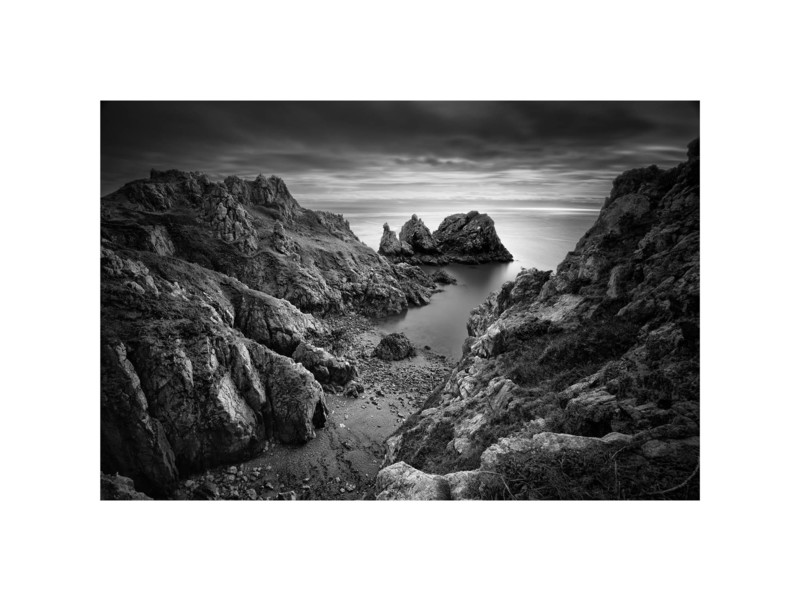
(537, 237)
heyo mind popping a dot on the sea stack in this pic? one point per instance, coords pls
(461, 238)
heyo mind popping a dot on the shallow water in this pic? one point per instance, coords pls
(537, 238)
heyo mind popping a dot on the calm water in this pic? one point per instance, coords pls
(536, 237)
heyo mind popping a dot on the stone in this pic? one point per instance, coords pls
(402, 482)
(440, 276)
(390, 246)
(327, 369)
(119, 488)
(418, 236)
(394, 347)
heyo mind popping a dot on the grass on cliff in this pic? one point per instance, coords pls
(597, 476)
(552, 358)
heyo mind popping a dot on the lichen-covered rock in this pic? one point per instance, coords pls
(401, 482)
(394, 347)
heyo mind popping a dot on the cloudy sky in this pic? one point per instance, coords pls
(345, 154)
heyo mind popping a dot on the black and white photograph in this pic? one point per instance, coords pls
(437, 273)
(400, 300)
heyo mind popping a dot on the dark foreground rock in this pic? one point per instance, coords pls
(119, 488)
(461, 238)
(395, 347)
(583, 384)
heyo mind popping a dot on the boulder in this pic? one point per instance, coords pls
(390, 246)
(394, 347)
(418, 236)
(401, 482)
(440, 276)
(275, 323)
(119, 488)
(470, 238)
(328, 370)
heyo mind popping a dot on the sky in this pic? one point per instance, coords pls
(346, 156)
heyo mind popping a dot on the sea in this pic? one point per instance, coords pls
(538, 237)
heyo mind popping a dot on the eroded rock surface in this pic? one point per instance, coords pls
(257, 233)
(583, 383)
(460, 238)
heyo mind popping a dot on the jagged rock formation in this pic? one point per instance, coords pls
(462, 238)
(257, 233)
(192, 373)
(440, 276)
(583, 383)
(119, 488)
(470, 238)
(332, 372)
(394, 347)
(418, 237)
(391, 247)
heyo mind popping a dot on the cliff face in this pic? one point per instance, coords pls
(205, 349)
(256, 232)
(461, 238)
(583, 383)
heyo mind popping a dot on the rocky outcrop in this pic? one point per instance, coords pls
(417, 285)
(268, 192)
(395, 347)
(330, 371)
(440, 276)
(257, 233)
(391, 247)
(401, 482)
(119, 488)
(418, 237)
(182, 387)
(275, 323)
(462, 238)
(583, 383)
(470, 238)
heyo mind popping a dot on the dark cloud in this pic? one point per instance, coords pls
(374, 150)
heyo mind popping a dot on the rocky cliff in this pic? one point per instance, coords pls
(206, 351)
(256, 232)
(460, 238)
(583, 383)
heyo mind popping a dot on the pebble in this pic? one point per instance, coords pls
(252, 494)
